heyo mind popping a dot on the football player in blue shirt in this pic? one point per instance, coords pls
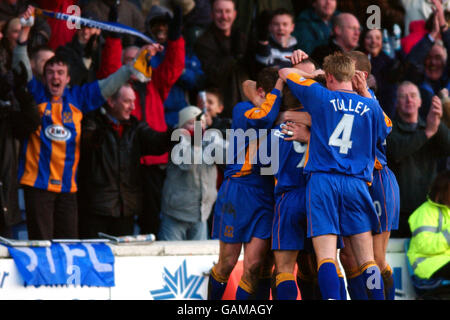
(339, 161)
(386, 198)
(299, 121)
(289, 224)
(244, 209)
(385, 194)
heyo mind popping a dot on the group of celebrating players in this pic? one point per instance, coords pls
(332, 192)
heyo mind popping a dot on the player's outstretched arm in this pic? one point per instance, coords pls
(285, 72)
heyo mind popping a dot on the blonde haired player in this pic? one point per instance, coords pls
(340, 160)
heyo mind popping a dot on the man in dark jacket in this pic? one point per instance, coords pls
(222, 51)
(414, 148)
(18, 118)
(110, 183)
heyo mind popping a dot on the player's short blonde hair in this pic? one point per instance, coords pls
(340, 66)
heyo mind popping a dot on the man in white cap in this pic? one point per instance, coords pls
(189, 190)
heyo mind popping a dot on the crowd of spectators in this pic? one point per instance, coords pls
(204, 50)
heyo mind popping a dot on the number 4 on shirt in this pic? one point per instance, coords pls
(344, 129)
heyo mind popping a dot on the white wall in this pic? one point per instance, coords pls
(161, 270)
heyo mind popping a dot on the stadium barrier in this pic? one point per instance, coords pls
(160, 271)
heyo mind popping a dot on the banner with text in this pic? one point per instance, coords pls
(85, 264)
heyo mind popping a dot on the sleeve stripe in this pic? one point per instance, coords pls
(250, 154)
(387, 120)
(378, 164)
(261, 112)
(296, 78)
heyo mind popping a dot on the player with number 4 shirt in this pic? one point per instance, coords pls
(340, 158)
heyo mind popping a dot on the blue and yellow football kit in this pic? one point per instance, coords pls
(384, 189)
(385, 192)
(340, 157)
(49, 156)
(244, 206)
(289, 222)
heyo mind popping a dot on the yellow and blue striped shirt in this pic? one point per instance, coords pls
(49, 156)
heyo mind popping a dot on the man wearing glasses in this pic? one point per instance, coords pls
(345, 37)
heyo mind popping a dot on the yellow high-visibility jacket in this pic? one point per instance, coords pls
(429, 249)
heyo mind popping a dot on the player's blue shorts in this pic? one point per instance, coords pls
(289, 221)
(242, 212)
(386, 198)
(338, 204)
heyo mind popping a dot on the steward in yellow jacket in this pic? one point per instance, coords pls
(429, 250)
